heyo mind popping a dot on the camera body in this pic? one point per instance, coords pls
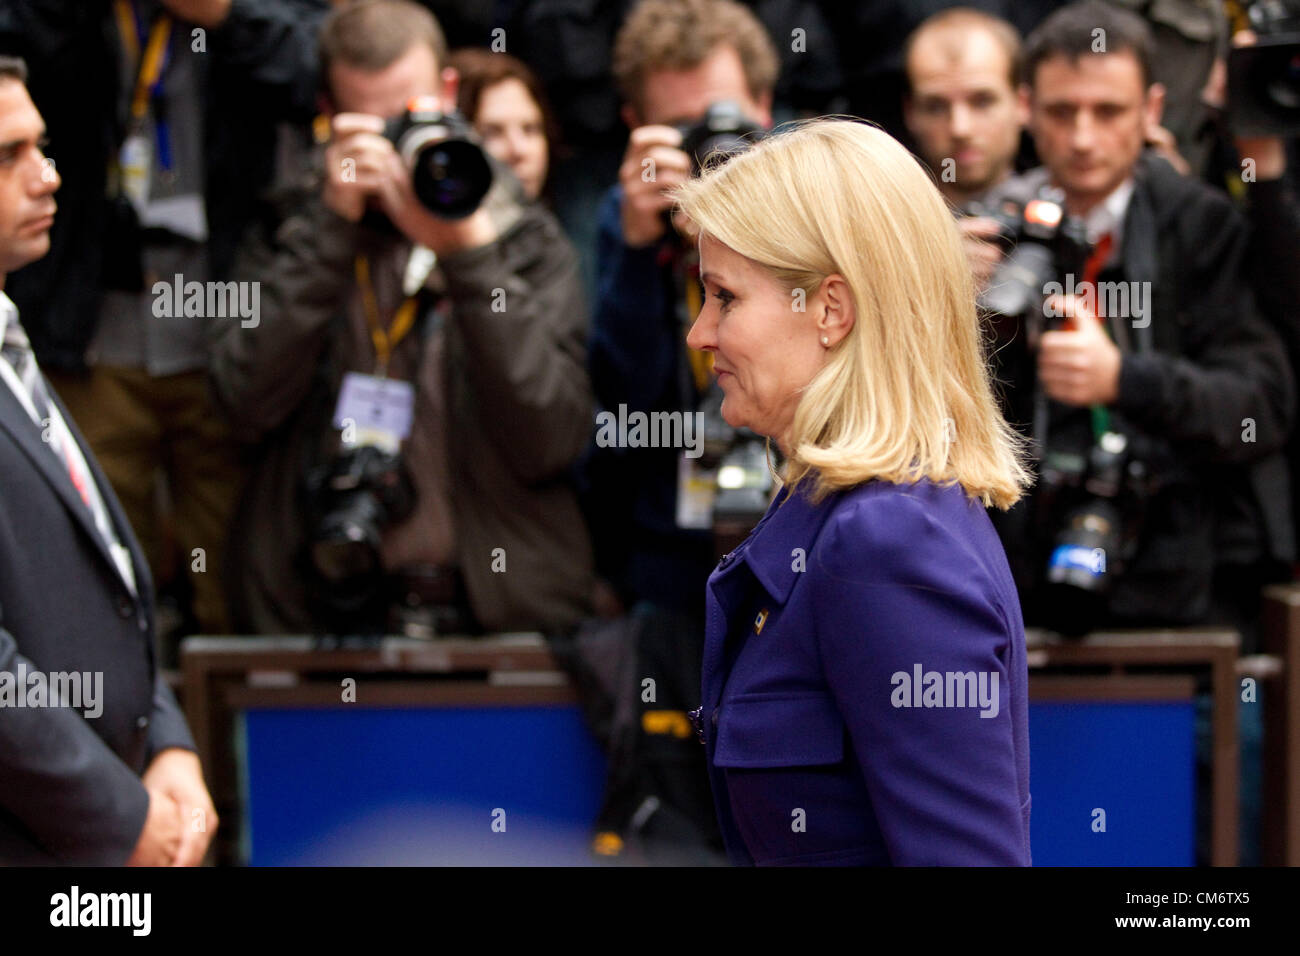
(1095, 498)
(449, 171)
(723, 131)
(1042, 242)
(1264, 79)
(351, 500)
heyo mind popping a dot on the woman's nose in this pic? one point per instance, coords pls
(701, 337)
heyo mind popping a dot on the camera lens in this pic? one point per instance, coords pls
(451, 177)
(346, 544)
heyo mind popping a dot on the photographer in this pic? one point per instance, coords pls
(417, 377)
(673, 60)
(1192, 381)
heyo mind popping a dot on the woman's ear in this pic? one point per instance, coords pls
(838, 313)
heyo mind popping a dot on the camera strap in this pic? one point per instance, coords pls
(384, 339)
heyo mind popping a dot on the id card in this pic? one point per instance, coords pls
(696, 488)
(375, 411)
(135, 160)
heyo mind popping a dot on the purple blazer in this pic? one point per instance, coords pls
(864, 685)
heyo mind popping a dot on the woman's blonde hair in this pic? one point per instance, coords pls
(906, 394)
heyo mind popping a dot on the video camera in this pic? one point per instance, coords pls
(1264, 79)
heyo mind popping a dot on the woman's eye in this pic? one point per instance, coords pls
(724, 297)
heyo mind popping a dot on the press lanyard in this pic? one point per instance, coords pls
(148, 81)
(404, 319)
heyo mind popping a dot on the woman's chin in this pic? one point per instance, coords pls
(732, 417)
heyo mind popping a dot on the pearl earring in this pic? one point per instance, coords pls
(826, 341)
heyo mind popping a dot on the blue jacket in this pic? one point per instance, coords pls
(636, 357)
(864, 685)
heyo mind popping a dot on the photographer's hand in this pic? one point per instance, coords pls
(1078, 365)
(356, 163)
(652, 165)
(983, 256)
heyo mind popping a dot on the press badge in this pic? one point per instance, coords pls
(379, 409)
(135, 162)
(696, 487)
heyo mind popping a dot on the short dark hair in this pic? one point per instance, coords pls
(373, 34)
(13, 68)
(1071, 32)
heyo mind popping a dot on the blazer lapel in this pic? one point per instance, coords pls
(27, 436)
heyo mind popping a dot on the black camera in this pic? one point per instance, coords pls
(1264, 79)
(1042, 243)
(1099, 496)
(351, 500)
(723, 131)
(449, 171)
(742, 478)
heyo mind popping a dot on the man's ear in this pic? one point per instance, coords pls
(839, 312)
(764, 104)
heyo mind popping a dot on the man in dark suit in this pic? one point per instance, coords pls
(97, 765)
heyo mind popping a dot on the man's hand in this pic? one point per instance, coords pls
(983, 255)
(652, 165)
(361, 165)
(356, 162)
(1078, 365)
(1165, 143)
(177, 775)
(201, 13)
(160, 840)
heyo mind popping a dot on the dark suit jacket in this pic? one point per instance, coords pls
(822, 749)
(70, 788)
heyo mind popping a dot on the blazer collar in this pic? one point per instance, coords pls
(777, 550)
(776, 553)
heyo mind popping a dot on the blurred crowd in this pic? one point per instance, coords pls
(343, 368)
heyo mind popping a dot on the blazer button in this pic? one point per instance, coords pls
(142, 723)
(125, 606)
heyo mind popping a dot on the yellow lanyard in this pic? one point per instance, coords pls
(155, 50)
(403, 320)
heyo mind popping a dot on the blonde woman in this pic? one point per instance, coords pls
(864, 682)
